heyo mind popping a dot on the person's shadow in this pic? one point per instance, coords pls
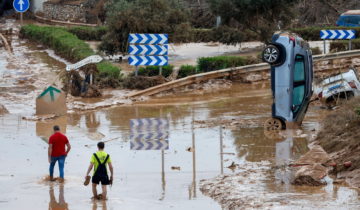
(53, 204)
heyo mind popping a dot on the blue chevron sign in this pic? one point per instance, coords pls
(337, 34)
(149, 134)
(148, 60)
(149, 145)
(148, 38)
(148, 50)
(149, 124)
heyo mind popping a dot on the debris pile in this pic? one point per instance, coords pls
(312, 167)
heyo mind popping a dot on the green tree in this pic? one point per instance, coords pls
(260, 16)
(142, 16)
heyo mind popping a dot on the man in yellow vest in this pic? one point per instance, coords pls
(99, 160)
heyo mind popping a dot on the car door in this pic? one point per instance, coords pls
(299, 84)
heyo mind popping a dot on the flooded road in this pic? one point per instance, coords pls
(208, 133)
(147, 179)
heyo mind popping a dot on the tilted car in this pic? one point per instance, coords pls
(291, 64)
(338, 87)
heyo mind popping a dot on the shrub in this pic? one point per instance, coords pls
(150, 71)
(88, 33)
(342, 45)
(207, 64)
(142, 82)
(66, 45)
(186, 70)
(316, 51)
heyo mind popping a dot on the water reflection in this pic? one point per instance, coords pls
(54, 204)
(92, 122)
(99, 205)
(44, 129)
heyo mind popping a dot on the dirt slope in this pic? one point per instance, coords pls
(340, 137)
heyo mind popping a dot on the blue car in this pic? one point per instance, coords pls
(290, 58)
(351, 18)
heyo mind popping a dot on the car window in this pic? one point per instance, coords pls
(299, 70)
(299, 83)
(298, 96)
(353, 20)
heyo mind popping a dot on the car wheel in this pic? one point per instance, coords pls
(273, 124)
(271, 54)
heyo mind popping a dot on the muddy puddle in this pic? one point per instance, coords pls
(170, 179)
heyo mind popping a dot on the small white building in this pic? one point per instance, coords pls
(36, 5)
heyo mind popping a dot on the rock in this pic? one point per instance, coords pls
(312, 169)
(3, 110)
(347, 164)
(310, 175)
(316, 155)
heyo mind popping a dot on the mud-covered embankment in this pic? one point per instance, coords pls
(340, 137)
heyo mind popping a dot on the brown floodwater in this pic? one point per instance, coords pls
(150, 179)
(145, 179)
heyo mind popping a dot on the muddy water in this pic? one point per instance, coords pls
(145, 179)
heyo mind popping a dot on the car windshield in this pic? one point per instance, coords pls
(299, 83)
(353, 19)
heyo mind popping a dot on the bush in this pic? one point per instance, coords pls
(142, 82)
(150, 71)
(207, 64)
(88, 33)
(316, 51)
(66, 45)
(186, 70)
(342, 45)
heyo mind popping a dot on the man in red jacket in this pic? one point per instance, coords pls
(57, 152)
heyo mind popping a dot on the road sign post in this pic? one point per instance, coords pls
(21, 6)
(148, 50)
(337, 35)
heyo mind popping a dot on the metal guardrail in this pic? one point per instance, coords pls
(231, 71)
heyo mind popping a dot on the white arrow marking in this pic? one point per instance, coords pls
(333, 34)
(163, 38)
(342, 34)
(153, 39)
(325, 34)
(21, 3)
(351, 34)
(163, 62)
(135, 60)
(134, 38)
(153, 62)
(144, 39)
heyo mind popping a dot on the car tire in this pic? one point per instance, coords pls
(273, 124)
(271, 54)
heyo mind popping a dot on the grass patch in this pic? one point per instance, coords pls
(66, 45)
(88, 33)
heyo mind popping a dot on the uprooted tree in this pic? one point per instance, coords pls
(260, 16)
(142, 16)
